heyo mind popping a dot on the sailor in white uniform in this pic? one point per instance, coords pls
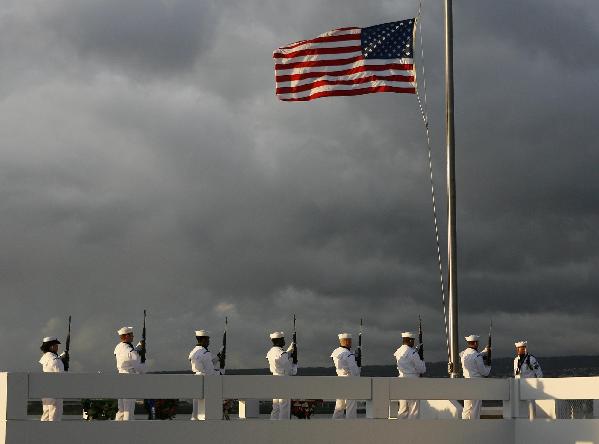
(474, 366)
(346, 366)
(281, 363)
(205, 364)
(409, 365)
(52, 363)
(527, 366)
(128, 360)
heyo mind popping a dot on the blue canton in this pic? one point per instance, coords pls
(389, 40)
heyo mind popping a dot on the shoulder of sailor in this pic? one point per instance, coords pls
(403, 351)
(48, 357)
(471, 355)
(341, 353)
(467, 352)
(124, 347)
(196, 352)
(275, 352)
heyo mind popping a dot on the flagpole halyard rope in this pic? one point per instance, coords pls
(423, 111)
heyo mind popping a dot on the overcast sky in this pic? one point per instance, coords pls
(145, 162)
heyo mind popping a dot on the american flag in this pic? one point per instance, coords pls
(348, 62)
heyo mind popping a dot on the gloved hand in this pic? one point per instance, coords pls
(222, 357)
(64, 357)
(291, 347)
(358, 356)
(141, 349)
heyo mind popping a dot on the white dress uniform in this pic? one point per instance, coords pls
(474, 367)
(205, 364)
(527, 366)
(52, 408)
(128, 360)
(281, 364)
(346, 366)
(409, 365)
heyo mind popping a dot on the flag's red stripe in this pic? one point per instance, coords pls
(352, 92)
(345, 72)
(318, 83)
(334, 62)
(325, 39)
(317, 51)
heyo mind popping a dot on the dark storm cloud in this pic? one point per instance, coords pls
(147, 164)
(143, 37)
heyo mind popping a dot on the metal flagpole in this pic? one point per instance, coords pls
(454, 362)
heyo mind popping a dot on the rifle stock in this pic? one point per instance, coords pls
(294, 339)
(142, 352)
(67, 347)
(359, 349)
(421, 344)
(222, 356)
(488, 358)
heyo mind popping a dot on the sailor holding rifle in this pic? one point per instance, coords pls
(474, 366)
(409, 365)
(281, 363)
(52, 363)
(205, 364)
(526, 366)
(128, 360)
(345, 365)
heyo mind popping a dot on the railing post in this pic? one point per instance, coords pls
(213, 397)
(14, 395)
(249, 408)
(377, 407)
(515, 407)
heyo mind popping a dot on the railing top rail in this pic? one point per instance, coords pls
(445, 388)
(164, 386)
(94, 385)
(559, 388)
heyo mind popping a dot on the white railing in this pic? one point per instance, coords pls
(17, 389)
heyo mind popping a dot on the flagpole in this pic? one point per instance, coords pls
(454, 363)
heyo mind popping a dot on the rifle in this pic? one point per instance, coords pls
(420, 345)
(359, 349)
(488, 355)
(294, 340)
(67, 348)
(222, 355)
(142, 351)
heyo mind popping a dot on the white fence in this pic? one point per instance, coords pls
(17, 389)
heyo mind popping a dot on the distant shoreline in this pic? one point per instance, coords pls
(553, 367)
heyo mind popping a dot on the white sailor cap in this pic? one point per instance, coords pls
(50, 339)
(202, 333)
(277, 335)
(521, 343)
(344, 335)
(472, 338)
(124, 331)
(408, 334)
